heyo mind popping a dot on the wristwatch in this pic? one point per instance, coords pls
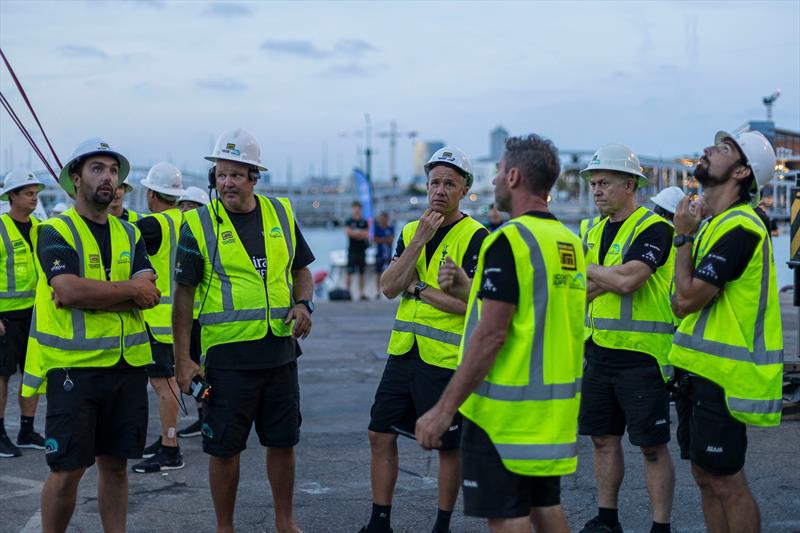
(309, 305)
(418, 288)
(681, 239)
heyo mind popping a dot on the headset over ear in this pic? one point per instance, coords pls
(212, 178)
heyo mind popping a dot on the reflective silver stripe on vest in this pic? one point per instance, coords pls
(446, 337)
(761, 407)
(238, 315)
(29, 380)
(210, 237)
(136, 339)
(173, 247)
(760, 355)
(542, 452)
(536, 389)
(11, 274)
(160, 330)
(287, 235)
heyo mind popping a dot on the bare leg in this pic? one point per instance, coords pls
(384, 463)
(280, 471)
(659, 473)
(347, 281)
(223, 476)
(361, 278)
(510, 525)
(728, 504)
(549, 519)
(609, 469)
(58, 499)
(449, 479)
(167, 409)
(27, 406)
(3, 395)
(112, 492)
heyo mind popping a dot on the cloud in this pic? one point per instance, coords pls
(300, 48)
(155, 4)
(222, 85)
(228, 9)
(353, 69)
(78, 50)
(353, 47)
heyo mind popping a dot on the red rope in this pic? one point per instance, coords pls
(25, 133)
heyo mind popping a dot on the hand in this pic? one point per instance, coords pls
(145, 293)
(688, 216)
(429, 222)
(2, 328)
(302, 321)
(452, 278)
(413, 285)
(431, 426)
(185, 371)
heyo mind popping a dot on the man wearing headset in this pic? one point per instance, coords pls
(244, 258)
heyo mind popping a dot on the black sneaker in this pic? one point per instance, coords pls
(595, 525)
(364, 530)
(161, 461)
(192, 430)
(7, 448)
(151, 450)
(30, 440)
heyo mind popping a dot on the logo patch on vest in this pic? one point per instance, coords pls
(444, 255)
(124, 257)
(614, 248)
(94, 261)
(227, 237)
(566, 254)
(275, 232)
(19, 243)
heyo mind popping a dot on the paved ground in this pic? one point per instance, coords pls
(340, 369)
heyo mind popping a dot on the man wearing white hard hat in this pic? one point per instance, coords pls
(629, 326)
(423, 347)
(88, 345)
(728, 350)
(59, 208)
(666, 202)
(164, 184)
(117, 207)
(245, 260)
(17, 289)
(192, 198)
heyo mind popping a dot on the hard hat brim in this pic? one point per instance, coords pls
(65, 176)
(259, 166)
(163, 190)
(721, 136)
(641, 179)
(4, 192)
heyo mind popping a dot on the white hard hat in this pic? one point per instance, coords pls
(17, 179)
(758, 153)
(128, 187)
(194, 194)
(452, 157)
(164, 178)
(237, 145)
(59, 208)
(616, 157)
(93, 146)
(668, 198)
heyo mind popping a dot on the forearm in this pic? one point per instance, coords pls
(593, 290)
(443, 301)
(303, 284)
(121, 307)
(481, 351)
(83, 293)
(182, 312)
(401, 272)
(688, 296)
(619, 279)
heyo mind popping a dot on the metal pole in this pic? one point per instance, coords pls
(368, 150)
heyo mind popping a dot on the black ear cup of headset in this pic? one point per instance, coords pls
(212, 178)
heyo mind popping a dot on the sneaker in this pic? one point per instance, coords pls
(7, 448)
(30, 440)
(151, 450)
(192, 430)
(159, 462)
(595, 525)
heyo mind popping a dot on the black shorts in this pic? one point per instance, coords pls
(490, 489)
(615, 398)
(13, 345)
(356, 261)
(194, 342)
(408, 389)
(163, 359)
(105, 413)
(707, 433)
(269, 397)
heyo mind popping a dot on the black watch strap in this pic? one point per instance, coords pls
(309, 305)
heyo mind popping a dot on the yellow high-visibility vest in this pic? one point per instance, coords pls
(159, 318)
(17, 267)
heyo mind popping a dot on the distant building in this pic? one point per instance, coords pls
(423, 150)
(497, 143)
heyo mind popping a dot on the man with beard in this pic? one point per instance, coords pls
(89, 347)
(629, 264)
(116, 208)
(517, 382)
(423, 347)
(728, 349)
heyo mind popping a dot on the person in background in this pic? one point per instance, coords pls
(383, 239)
(357, 230)
(192, 198)
(666, 201)
(495, 218)
(761, 211)
(116, 208)
(59, 208)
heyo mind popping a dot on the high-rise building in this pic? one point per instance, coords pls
(497, 143)
(423, 150)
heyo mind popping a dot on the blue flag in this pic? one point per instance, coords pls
(364, 192)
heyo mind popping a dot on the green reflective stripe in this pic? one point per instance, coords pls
(210, 237)
(29, 380)
(536, 389)
(446, 337)
(18, 294)
(634, 326)
(287, 236)
(278, 312)
(161, 330)
(135, 339)
(224, 317)
(11, 274)
(761, 407)
(534, 452)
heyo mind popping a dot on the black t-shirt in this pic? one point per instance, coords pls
(21, 314)
(652, 247)
(356, 246)
(469, 263)
(269, 351)
(151, 233)
(728, 258)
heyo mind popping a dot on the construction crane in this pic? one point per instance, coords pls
(392, 135)
(769, 100)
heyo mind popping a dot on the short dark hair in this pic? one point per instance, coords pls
(355, 203)
(536, 158)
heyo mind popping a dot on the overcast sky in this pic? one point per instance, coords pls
(159, 80)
